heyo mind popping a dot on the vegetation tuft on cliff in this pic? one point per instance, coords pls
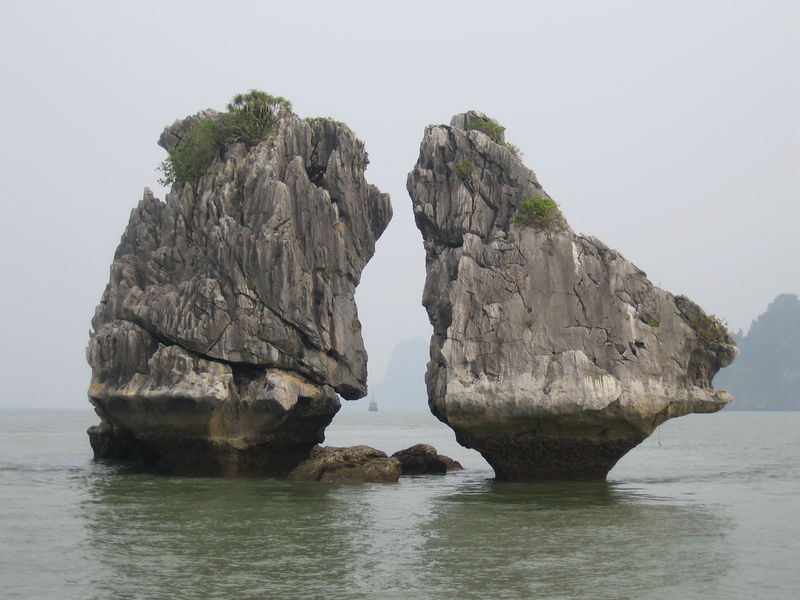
(712, 329)
(249, 119)
(495, 131)
(540, 212)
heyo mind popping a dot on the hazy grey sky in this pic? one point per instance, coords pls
(670, 130)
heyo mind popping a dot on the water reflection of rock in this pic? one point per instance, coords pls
(212, 538)
(460, 536)
(554, 540)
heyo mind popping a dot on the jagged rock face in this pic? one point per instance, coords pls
(552, 354)
(229, 323)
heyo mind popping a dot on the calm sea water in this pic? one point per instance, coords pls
(708, 507)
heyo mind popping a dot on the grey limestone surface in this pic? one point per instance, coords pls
(551, 353)
(229, 324)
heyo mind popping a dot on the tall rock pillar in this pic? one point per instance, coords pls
(552, 355)
(229, 326)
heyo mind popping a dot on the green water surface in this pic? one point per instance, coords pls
(709, 507)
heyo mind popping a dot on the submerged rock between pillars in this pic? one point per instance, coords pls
(552, 355)
(347, 465)
(366, 464)
(423, 459)
(229, 324)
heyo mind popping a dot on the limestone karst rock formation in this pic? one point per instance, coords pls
(552, 354)
(229, 325)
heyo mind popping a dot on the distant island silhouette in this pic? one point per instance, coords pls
(403, 385)
(766, 375)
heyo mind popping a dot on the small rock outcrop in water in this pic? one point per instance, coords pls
(229, 323)
(423, 459)
(354, 464)
(359, 464)
(552, 355)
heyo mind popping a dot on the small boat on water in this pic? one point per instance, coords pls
(373, 405)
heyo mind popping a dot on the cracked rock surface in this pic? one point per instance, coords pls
(552, 354)
(229, 324)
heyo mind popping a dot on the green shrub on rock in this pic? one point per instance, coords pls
(249, 119)
(190, 158)
(712, 329)
(540, 212)
(463, 167)
(511, 148)
(495, 131)
(314, 120)
(463, 170)
(250, 116)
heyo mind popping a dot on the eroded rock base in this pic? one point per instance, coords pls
(196, 457)
(551, 456)
(202, 458)
(268, 433)
(108, 444)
